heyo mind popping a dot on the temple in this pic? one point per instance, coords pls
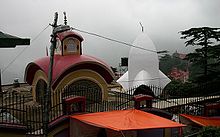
(70, 67)
(143, 65)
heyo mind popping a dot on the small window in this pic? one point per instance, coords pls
(71, 46)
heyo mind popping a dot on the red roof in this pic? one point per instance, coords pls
(121, 120)
(202, 121)
(63, 65)
(69, 33)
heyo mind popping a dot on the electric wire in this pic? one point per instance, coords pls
(83, 31)
(90, 33)
(19, 54)
(111, 39)
(142, 80)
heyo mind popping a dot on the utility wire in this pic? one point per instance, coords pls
(141, 80)
(114, 40)
(83, 31)
(16, 57)
(40, 33)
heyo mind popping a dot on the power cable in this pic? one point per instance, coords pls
(16, 57)
(114, 40)
(83, 31)
(141, 80)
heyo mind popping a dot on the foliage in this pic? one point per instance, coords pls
(206, 57)
(195, 71)
(189, 89)
(167, 62)
(178, 89)
(210, 132)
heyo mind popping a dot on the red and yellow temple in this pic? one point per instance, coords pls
(70, 67)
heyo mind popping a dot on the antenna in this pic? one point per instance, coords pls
(142, 28)
(65, 19)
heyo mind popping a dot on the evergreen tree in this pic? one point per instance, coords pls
(166, 64)
(207, 56)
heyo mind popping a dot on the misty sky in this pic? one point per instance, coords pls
(117, 19)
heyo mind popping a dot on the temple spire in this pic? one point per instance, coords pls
(142, 28)
(65, 18)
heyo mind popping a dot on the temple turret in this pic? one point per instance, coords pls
(68, 42)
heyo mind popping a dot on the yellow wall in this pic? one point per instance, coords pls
(70, 78)
(84, 74)
(38, 75)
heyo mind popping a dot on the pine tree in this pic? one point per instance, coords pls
(207, 56)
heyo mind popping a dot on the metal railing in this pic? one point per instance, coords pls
(17, 109)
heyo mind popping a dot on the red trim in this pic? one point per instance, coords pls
(75, 99)
(139, 98)
(180, 132)
(30, 71)
(63, 65)
(203, 121)
(69, 33)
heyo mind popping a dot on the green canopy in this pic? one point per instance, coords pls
(9, 41)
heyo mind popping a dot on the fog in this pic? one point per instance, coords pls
(117, 19)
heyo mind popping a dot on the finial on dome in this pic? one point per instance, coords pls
(65, 19)
(142, 28)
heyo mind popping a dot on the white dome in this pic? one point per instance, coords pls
(141, 79)
(143, 65)
(140, 59)
(123, 81)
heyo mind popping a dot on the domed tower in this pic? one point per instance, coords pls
(70, 68)
(68, 43)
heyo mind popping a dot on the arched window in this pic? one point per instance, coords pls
(41, 88)
(87, 88)
(71, 45)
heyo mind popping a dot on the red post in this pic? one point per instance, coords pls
(79, 101)
(138, 98)
(180, 132)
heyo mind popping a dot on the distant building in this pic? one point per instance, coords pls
(179, 55)
(178, 74)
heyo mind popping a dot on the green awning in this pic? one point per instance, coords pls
(9, 41)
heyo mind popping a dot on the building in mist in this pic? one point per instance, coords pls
(143, 65)
(70, 67)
